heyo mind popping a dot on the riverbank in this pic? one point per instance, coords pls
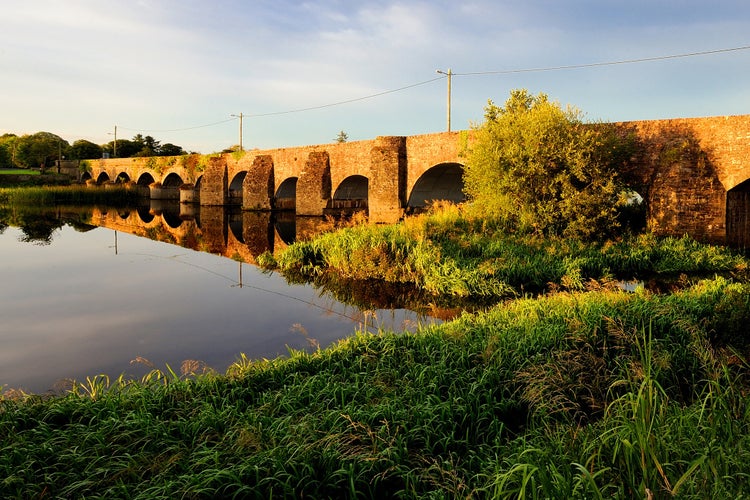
(50, 195)
(585, 391)
(576, 395)
(448, 254)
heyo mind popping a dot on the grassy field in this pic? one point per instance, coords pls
(18, 171)
(71, 195)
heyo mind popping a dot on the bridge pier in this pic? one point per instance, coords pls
(387, 187)
(258, 186)
(215, 185)
(314, 184)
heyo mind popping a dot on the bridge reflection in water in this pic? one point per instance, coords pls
(225, 231)
(244, 235)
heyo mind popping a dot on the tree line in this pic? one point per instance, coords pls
(42, 149)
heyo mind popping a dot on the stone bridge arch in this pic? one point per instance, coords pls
(351, 194)
(441, 182)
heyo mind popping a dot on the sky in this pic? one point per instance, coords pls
(300, 72)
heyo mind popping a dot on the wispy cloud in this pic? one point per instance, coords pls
(82, 66)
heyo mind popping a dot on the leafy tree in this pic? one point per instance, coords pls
(538, 167)
(148, 145)
(8, 142)
(170, 149)
(40, 149)
(125, 148)
(5, 159)
(85, 150)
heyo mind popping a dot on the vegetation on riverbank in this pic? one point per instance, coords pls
(68, 195)
(449, 252)
(574, 395)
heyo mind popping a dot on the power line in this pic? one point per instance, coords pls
(606, 63)
(473, 73)
(177, 129)
(348, 101)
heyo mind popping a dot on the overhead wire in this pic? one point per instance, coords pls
(470, 73)
(604, 63)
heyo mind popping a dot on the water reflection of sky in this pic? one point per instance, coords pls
(77, 308)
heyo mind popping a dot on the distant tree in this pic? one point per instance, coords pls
(125, 148)
(5, 157)
(40, 149)
(141, 146)
(9, 142)
(85, 150)
(538, 167)
(170, 149)
(342, 137)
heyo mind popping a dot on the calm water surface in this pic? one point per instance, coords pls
(86, 302)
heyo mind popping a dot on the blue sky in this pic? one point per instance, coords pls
(178, 69)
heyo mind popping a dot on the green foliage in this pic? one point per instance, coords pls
(39, 150)
(538, 168)
(85, 150)
(70, 195)
(449, 252)
(5, 156)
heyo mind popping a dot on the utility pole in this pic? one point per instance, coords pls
(240, 117)
(448, 74)
(114, 147)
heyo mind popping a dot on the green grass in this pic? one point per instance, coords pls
(575, 395)
(448, 254)
(71, 195)
(18, 171)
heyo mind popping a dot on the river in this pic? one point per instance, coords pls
(86, 292)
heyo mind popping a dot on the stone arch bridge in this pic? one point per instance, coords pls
(693, 173)
(386, 176)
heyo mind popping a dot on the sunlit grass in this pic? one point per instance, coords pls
(57, 195)
(17, 171)
(449, 253)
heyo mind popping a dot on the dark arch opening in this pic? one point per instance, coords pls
(122, 178)
(86, 176)
(145, 180)
(286, 195)
(172, 181)
(103, 177)
(235, 188)
(351, 195)
(633, 215)
(441, 182)
(738, 216)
